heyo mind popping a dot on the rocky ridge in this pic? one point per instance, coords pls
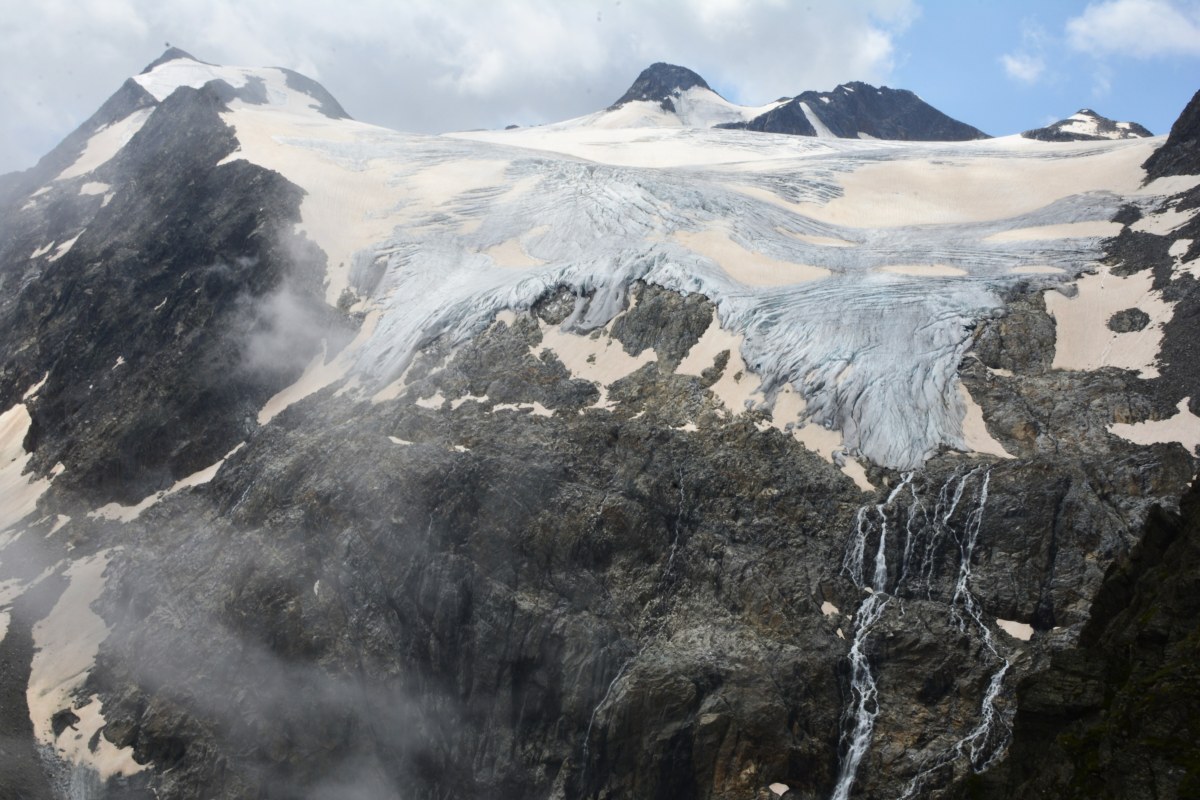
(858, 110)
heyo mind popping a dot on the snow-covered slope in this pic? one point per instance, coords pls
(854, 270)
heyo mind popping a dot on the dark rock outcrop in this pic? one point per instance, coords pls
(658, 83)
(859, 108)
(153, 330)
(1180, 154)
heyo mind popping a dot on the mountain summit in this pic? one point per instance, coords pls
(1085, 125)
(861, 111)
(659, 83)
(667, 94)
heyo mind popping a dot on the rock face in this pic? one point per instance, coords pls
(658, 83)
(1181, 154)
(541, 512)
(1086, 125)
(859, 110)
(1113, 716)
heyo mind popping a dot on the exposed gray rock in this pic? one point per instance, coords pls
(858, 108)
(1128, 320)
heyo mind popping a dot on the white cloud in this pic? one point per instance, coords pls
(1023, 67)
(1026, 63)
(1137, 28)
(430, 65)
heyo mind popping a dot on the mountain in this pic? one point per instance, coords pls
(859, 110)
(669, 95)
(1086, 125)
(595, 459)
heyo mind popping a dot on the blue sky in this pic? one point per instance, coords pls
(437, 65)
(1128, 61)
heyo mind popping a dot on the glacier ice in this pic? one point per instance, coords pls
(873, 352)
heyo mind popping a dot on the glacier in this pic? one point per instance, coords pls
(855, 270)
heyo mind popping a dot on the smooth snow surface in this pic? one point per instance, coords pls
(850, 271)
(65, 647)
(1085, 341)
(1017, 630)
(822, 130)
(696, 107)
(1182, 427)
(105, 144)
(19, 493)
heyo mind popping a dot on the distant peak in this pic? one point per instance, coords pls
(659, 82)
(171, 54)
(1087, 125)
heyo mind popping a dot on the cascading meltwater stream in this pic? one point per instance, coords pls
(988, 738)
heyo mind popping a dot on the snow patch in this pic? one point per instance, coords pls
(537, 408)
(1084, 340)
(319, 373)
(120, 513)
(63, 248)
(19, 493)
(597, 358)
(1017, 630)
(975, 433)
(822, 130)
(106, 143)
(65, 647)
(435, 401)
(1182, 427)
(747, 267)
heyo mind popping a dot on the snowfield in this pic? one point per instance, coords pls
(850, 271)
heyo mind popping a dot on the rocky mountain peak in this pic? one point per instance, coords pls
(659, 83)
(170, 54)
(1087, 125)
(860, 110)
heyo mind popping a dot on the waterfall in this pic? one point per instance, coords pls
(928, 533)
(865, 705)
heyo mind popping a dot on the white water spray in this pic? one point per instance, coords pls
(915, 574)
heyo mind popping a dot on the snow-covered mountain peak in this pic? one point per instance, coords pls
(271, 86)
(1087, 125)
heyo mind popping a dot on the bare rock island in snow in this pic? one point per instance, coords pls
(825, 449)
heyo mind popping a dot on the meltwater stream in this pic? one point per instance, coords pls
(922, 534)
